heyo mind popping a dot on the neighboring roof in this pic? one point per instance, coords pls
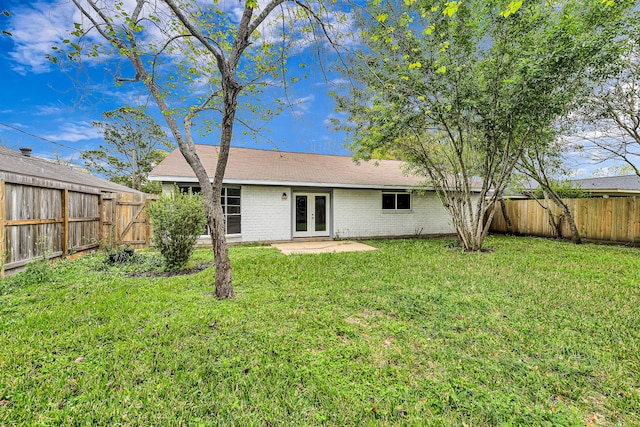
(15, 163)
(263, 167)
(611, 185)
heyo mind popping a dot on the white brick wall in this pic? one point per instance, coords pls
(265, 216)
(358, 213)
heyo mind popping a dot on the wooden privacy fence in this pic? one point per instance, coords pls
(125, 220)
(38, 220)
(615, 219)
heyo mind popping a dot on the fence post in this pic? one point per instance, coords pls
(101, 223)
(115, 233)
(3, 254)
(147, 219)
(65, 222)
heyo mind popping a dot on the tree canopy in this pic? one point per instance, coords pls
(462, 88)
(611, 116)
(134, 145)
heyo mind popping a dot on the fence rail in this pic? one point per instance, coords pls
(615, 219)
(38, 220)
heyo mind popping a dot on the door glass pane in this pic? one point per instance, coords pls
(301, 213)
(321, 213)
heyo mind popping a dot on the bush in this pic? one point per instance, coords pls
(178, 219)
(565, 190)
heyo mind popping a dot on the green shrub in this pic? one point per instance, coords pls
(565, 190)
(178, 219)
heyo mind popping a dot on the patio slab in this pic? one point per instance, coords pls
(321, 247)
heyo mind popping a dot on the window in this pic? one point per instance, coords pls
(231, 209)
(230, 201)
(396, 201)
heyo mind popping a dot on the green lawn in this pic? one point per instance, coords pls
(538, 332)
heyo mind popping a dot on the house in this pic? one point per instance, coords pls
(21, 167)
(608, 186)
(278, 196)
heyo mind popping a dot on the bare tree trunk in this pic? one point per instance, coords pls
(575, 234)
(135, 184)
(505, 215)
(224, 283)
(556, 224)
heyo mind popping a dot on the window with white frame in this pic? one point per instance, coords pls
(396, 201)
(230, 200)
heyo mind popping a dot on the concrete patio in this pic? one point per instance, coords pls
(320, 247)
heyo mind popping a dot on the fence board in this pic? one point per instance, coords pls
(615, 219)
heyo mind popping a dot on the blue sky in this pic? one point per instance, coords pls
(41, 99)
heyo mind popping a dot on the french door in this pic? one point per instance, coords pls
(311, 216)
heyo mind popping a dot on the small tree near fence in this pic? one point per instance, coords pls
(178, 219)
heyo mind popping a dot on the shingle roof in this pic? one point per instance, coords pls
(14, 162)
(253, 166)
(627, 182)
(627, 185)
(606, 184)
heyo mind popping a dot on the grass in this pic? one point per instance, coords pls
(538, 332)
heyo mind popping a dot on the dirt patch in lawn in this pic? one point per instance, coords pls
(172, 273)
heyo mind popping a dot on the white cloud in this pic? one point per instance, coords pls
(300, 106)
(132, 97)
(286, 27)
(48, 110)
(37, 27)
(35, 30)
(74, 132)
(337, 83)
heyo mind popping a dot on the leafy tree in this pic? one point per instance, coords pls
(133, 146)
(542, 161)
(565, 189)
(197, 60)
(178, 220)
(462, 88)
(611, 116)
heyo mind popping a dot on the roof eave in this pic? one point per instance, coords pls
(186, 179)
